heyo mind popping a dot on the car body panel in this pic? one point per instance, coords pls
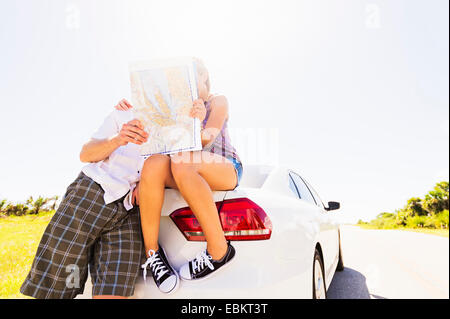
(280, 267)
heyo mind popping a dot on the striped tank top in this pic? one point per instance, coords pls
(222, 144)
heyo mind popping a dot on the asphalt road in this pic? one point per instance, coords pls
(391, 264)
(387, 264)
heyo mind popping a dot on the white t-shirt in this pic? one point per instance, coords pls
(119, 173)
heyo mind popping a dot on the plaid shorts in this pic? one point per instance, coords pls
(86, 233)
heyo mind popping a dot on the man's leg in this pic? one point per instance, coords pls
(117, 257)
(108, 297)
(59, 269)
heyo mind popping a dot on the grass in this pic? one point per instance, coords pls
(19, 238)
(437, 232)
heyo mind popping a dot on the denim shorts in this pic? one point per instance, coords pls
(237, 167)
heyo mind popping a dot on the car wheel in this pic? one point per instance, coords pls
(340, 265)
(319, 286)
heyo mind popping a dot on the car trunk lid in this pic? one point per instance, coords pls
(173, 200)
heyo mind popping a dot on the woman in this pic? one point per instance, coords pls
(195, 174)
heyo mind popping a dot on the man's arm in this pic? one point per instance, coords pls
(99, 149)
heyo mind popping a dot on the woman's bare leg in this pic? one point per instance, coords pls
(155, 176)
(196, 176)
(108, 297)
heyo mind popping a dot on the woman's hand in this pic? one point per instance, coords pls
(198, 110)
(123, 105)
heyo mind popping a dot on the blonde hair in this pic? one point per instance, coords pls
(201, 69)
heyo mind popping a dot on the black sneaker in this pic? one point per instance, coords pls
(203, 266)
(166, 278)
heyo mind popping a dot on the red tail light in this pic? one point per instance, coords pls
(241, 219)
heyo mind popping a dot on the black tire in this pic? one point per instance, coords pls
(317, 257)
(340, 264)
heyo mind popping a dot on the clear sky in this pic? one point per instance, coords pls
(355, 92)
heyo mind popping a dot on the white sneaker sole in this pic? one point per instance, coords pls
(177, 285)
(211, 274)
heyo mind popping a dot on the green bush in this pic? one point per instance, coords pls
(442, 217)
(31, 206)
(430, 212)
(16, 209)
(387, 222)
(416, 221)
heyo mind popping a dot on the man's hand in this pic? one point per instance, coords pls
(135, 195)
(198, 110)
(132, 132)
(123, 105)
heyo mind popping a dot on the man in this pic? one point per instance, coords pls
(96, 224)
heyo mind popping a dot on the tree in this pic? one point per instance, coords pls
(38, 204)
(402, 216)
(415, 206)
(437, 200)
(2, 205)
(55, 202)
(442, 187)
(385, 215)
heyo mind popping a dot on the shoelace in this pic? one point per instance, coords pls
(200, 261)
(157, 266)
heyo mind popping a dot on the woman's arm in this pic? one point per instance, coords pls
(216, 120)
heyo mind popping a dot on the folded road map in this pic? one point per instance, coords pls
(162, 92)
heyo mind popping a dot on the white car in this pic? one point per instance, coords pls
(287, 242)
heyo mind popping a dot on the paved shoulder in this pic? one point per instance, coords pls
(392, 264)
